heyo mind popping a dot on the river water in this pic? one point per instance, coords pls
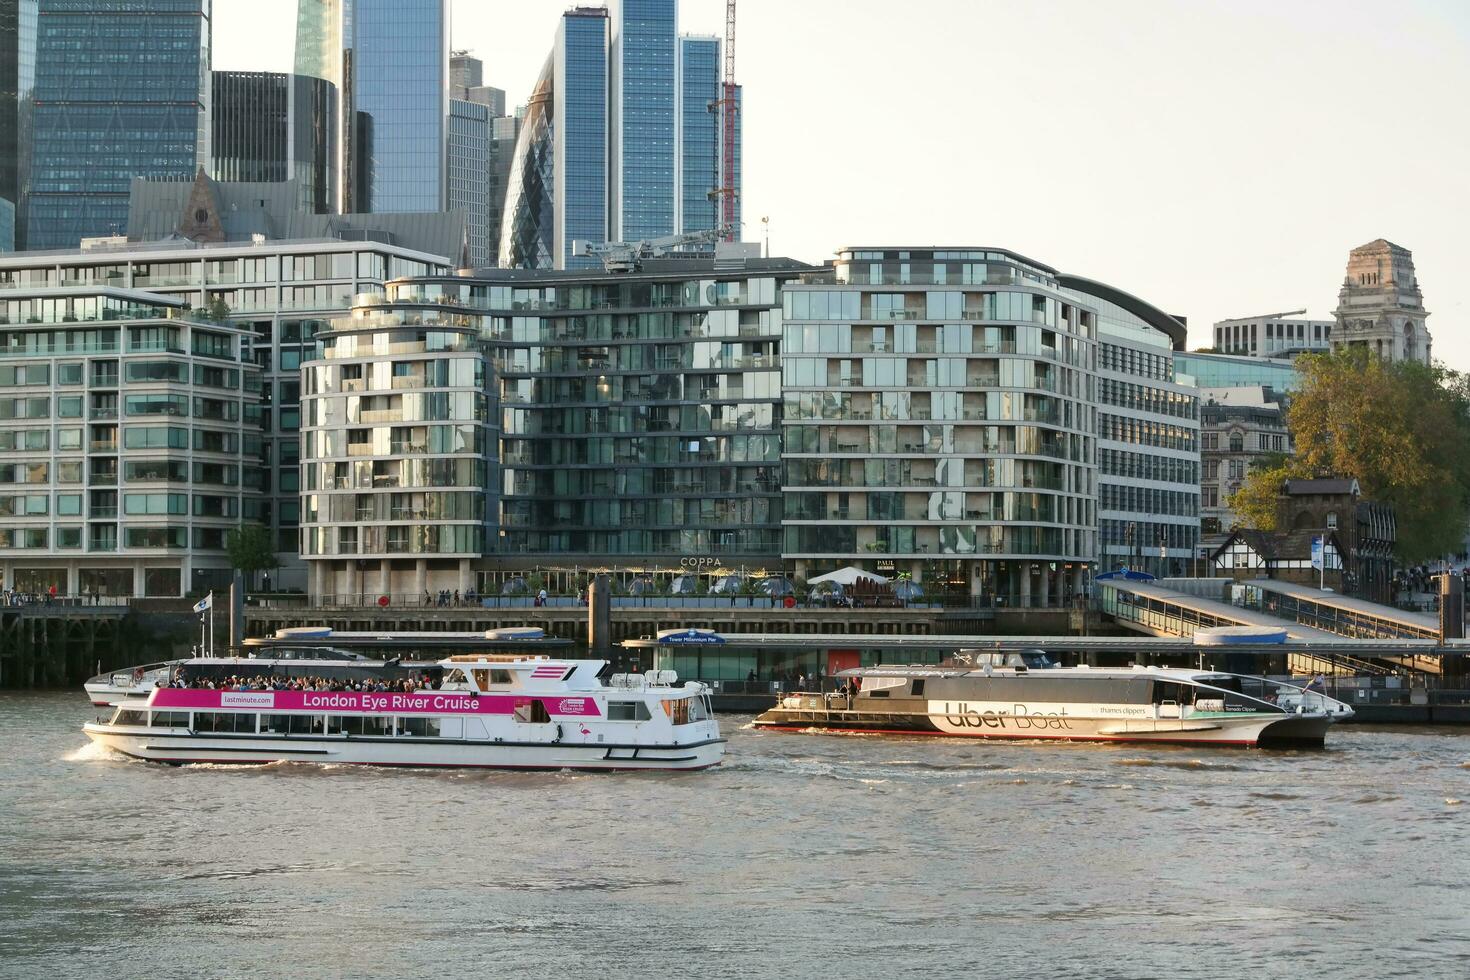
(802, 855)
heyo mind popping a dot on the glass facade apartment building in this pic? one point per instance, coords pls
(637, 418)
(130, 432)
(122, 90)
(281, 294)
(644, 83)
(940, 423)
(17, 78)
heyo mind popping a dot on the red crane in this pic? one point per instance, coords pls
(728, 108)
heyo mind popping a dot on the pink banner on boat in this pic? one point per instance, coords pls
(370, 702)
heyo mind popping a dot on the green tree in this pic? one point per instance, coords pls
(1401, 429)
(217, 308)
(251, 550)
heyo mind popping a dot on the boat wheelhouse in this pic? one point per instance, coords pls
(1000, 696)
(477, 710)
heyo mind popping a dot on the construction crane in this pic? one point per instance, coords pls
(727, 105)
(629, 256)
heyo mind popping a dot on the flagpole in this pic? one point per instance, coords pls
(211, 622)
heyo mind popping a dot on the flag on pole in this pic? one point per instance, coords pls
(203, 604)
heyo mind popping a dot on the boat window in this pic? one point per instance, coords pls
(677, 709)
(419, 727)
(224, 722)
(126, 717)
(1170, 691)
(484, 677)
(275, 724)
(918, 688)
(628, 711)
(455, 676)
(170, 719)
(532, 712)
(698, 710)
(362, 725)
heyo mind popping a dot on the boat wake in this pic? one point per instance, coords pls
(96, 752)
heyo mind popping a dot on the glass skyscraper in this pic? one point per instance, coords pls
(699, 133)
(580, 154)
(17, 76)
(121, 91)
(389, 61)
(400, 58)
(644, 83)
(469, 171)
(269, 126)
(557, 190)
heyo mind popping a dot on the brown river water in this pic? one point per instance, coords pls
(802, 856)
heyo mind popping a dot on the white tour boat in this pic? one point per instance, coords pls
(1009, 695)
(478, 710)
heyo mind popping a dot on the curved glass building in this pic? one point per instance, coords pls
(526, 236)
(557, 191)
(398, 452)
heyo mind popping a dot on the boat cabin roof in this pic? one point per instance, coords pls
(1177, 674)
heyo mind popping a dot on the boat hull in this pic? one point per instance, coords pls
(180, 746)
(1242, 730)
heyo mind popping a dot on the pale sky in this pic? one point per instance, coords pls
(1217, 159)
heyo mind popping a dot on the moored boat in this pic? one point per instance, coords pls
(1006, 698)
(482, 711)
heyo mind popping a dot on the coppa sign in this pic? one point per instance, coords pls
(369, 702)
(700, 562)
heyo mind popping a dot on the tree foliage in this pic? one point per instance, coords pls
(250, 549)
(1401, 429)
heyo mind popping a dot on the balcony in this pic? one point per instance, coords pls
(103, 446)
(359, 449)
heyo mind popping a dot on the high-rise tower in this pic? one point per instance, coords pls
(643, 91)
(1380, 307)
(122, 90)
(389, 60)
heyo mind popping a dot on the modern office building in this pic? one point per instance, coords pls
(1275, 335)
(17, 77)
(468, 160)
(270, 127)
(699, 133)
(280, 292)
(701, 138)
(389, 60)
(400, 55)
(1380, 306)
(580, 152)
(503, 133)
(557, 187)
(643, 93)
(638, 423)
(130, 428)
(939, 423)
(1148, 449)
(122, 89)
(527, 222)
(465, 72)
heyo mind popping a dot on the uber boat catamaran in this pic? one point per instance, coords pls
(477, 710)
(1011, 695)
